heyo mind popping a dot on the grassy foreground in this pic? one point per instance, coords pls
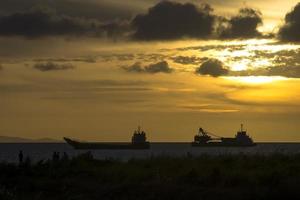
(205, 177)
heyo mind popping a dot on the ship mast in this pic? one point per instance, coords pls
(242, 127)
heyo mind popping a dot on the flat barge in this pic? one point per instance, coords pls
(138, 142)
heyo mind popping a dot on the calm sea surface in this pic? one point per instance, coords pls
(9, 152)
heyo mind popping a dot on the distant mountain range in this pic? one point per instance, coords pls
(8, 139)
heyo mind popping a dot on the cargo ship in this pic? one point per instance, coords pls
(138, 141)
(207, 139)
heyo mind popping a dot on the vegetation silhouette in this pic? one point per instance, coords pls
(202, 177)
(21, 157)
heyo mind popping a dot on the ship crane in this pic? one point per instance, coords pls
(205, 136)
(203, 132)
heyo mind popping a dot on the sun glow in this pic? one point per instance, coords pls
(240, 66)
(256, 79)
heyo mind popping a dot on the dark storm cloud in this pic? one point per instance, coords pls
(39, 22)
(290, 31)
(100, 10)
(164, 21)
(160, 67)
(50, 66)
(212, 67)
(172, 20)
(243, 25)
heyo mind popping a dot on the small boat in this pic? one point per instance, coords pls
(206, 139)
(138, 141)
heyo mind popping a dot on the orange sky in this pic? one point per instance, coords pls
(102, 89)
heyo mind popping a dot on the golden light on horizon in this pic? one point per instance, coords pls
(256, 79)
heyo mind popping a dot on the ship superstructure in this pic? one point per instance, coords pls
(139, 137)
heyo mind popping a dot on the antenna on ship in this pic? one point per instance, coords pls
(242, 127)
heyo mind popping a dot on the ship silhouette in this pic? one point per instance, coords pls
(205, 138)
(138, 141)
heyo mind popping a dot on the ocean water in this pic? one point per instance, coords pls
(43, 151)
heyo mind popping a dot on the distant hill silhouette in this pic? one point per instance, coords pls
(8, 139)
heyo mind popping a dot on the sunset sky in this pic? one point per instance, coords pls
(96, 69)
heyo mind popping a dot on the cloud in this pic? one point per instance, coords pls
(39, 22)
(215, 68)
(104, 10)
(78, 59)
(243, 25)
(171, 20)
(218, 47)
(97, 90)
(43, 21)
(50, 66)
(160, 67)
(287, 71)
(290, 31)
(167, 20)
(188, 60)
(292, 71)
(76, 85)
(209, 108)
(212, 67)
(285, 63)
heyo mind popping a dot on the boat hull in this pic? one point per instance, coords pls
(110, 146)
(221, 144)
(107, 145)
